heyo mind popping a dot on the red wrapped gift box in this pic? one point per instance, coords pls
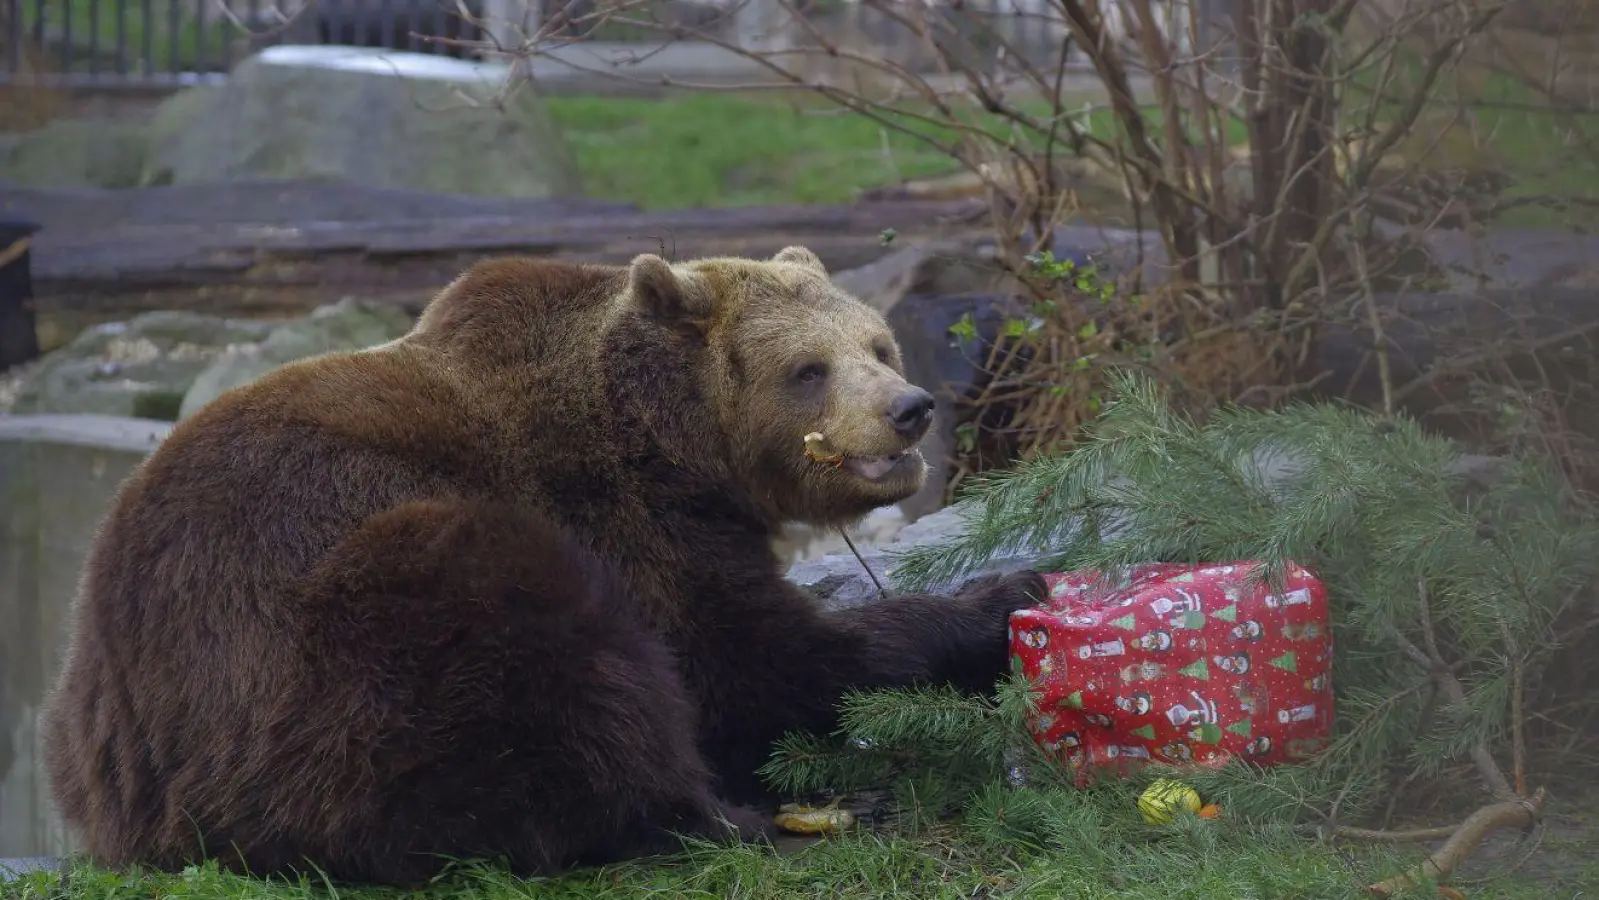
(1186, 665)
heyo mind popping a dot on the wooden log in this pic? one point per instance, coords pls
(19, 338)
(172, 251)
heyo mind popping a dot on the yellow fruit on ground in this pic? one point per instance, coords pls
(829, 819)
(1163, 797)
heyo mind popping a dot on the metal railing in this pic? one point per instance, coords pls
(159, 42)
(153, 43)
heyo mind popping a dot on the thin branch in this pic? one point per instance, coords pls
(1391, 135)
(1468, 362)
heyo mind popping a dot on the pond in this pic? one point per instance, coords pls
(57, 476)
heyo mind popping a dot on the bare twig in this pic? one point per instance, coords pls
(1469, 361)
(1409, 836)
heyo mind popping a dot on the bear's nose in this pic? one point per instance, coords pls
(911, 412)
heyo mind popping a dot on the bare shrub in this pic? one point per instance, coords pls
(1290, 158)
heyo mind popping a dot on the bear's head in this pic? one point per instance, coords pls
(785, 356)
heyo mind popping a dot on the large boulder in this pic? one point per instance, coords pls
(164, 365)
(141, 367)
(797, 542)
(347, 325)
(363, 115)
(839, 580)
(74, 153)
(936, 268)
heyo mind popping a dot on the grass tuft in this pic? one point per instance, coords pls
(1014, 843)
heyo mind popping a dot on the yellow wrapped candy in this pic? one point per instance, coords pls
(1163, 797)
(828, 819)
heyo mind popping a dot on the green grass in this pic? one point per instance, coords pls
(735, 149)
(1543, 152)
(712, 149)
(715, 149)
(1032, 844)
(1484, 122)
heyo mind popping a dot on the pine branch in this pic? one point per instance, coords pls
(1467, 585)
(1438, 669)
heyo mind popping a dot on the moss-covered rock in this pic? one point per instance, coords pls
(165, 365)
(141, 367)
(347, 325)
(368, 116)
(75, 153)
(167, 128)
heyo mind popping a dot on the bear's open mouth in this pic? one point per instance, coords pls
(873, 468)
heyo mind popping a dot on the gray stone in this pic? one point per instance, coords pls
(58, 476)
(797, 542)
(839, 579)
(946, 524)
(164, 365)
(940, 268)
(74, 153)
(347, 325)
(140, 368)
(370, 116)
(1122, 254)
(170, 128)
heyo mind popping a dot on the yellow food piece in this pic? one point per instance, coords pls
(1159, 800)
(816, 449)
(813, 820)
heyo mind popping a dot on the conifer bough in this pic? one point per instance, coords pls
(1448, 596)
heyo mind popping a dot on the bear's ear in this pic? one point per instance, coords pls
(662, 293)
(801, 256)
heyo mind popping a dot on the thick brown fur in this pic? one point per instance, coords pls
(502, 588)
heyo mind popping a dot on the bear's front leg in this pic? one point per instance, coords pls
(964, 639)
(796, 662)
(961, 640)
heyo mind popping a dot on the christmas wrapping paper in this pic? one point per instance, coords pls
(1185, 665)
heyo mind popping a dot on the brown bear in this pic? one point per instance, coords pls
(502, 588)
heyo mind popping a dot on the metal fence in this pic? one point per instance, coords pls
(153, 42)
(116, 43)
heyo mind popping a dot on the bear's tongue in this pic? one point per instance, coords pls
(872, 468)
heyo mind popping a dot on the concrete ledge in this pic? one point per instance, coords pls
(107, 432)
(58, 476)
(11, 869)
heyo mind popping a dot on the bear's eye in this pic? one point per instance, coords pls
(882, 354)
(810, 373)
